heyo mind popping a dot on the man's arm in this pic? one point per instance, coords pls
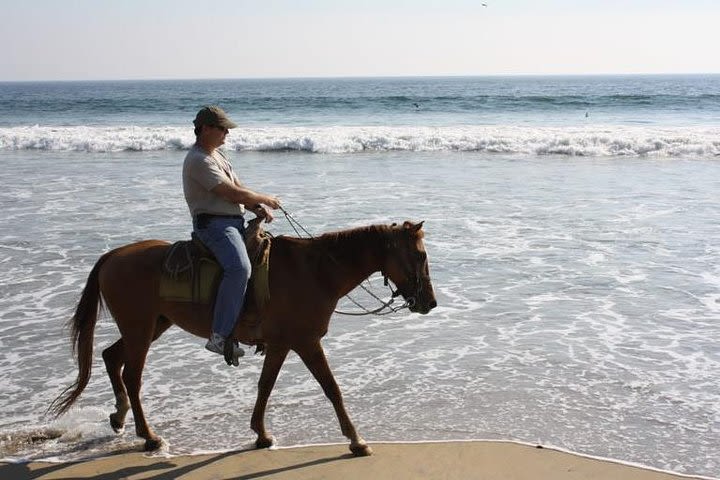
(239, 194)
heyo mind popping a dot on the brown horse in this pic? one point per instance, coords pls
(307, 278)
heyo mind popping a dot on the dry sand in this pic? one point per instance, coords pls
(391, 461)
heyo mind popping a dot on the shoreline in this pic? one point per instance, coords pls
(487, 459)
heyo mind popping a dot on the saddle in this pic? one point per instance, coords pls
(190, 272)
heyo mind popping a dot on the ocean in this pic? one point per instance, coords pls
(572, 226)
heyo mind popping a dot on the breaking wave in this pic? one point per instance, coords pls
(596, 141)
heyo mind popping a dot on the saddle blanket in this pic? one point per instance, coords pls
(190, 272)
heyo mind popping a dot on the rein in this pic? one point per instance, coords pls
(365, 311)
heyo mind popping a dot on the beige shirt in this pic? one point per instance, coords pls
(203, 172)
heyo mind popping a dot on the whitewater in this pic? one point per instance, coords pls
(596, 141)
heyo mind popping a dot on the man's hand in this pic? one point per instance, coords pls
(263, 212)
(272, 202)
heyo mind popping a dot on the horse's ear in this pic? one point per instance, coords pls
(412, 227)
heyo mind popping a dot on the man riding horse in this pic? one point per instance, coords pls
(307, 279)
(217, 202)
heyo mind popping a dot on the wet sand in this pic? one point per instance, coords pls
(391, 461)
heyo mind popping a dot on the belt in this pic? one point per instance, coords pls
(204, 217)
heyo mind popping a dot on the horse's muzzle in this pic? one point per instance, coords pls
(422, 307)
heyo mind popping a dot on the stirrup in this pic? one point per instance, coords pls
(229, 349)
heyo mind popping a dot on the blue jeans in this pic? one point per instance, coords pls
(224, 237)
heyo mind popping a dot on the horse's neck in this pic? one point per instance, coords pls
(352, 256)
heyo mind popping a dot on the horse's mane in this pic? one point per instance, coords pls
(382, 232)
(377, 235)
(360, 236)
(355, 234)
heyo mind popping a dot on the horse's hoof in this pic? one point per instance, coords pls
(117, 425)
(361, 450)
(152, 444)
(266, 442)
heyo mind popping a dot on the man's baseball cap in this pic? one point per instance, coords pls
(213, 116)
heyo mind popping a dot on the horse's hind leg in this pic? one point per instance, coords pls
(314, 358)
(274, 358)
(114, 357)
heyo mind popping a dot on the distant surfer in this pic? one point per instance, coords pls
(587, 114)
(416, 105)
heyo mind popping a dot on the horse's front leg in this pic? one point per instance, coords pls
(314, 358)
(274, 359)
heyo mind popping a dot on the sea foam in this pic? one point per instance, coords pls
(595, 141)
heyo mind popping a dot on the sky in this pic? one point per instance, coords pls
(169, 39)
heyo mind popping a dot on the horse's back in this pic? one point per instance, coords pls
(135, 257)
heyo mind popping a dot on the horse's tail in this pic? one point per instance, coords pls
(82, 326)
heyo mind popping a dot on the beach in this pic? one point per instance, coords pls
(575, 261)
(390, 461)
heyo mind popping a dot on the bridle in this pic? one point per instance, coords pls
(394, 293)
(410, 300)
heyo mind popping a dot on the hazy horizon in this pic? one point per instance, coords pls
(369, 77)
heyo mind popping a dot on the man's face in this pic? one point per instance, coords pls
(214, 135)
